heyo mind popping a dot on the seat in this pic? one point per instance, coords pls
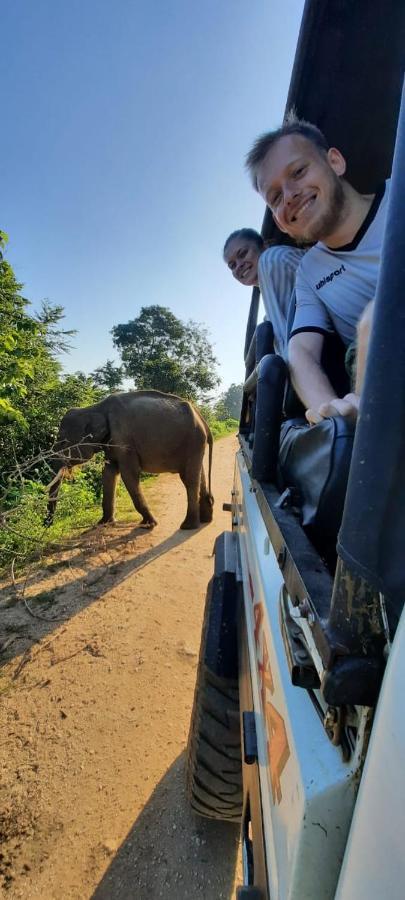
(314, 461)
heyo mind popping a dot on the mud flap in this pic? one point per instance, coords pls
(220, 654)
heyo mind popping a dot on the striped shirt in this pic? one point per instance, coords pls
(277, 269)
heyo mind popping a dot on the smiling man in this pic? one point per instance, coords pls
(302, 180)
(273, 270)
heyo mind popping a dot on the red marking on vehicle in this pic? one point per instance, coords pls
(266, 676)
(258, 617)
(278, 750)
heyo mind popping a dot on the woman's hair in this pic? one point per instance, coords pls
(246, 234)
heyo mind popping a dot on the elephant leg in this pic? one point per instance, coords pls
(110, 479)
(130, 477)
(191, 478)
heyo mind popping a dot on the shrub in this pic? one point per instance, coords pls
(23, 534)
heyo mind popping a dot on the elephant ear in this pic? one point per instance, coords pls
(97, 428)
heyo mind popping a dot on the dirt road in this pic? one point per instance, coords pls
(95, 712)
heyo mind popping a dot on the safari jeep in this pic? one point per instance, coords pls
(298, 725)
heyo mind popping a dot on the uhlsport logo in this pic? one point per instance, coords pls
(330, 277)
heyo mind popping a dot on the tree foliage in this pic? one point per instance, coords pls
(160, 351)
(33, 392)
(108, 376)
(56, 339)
(18, 344)
(229, 404)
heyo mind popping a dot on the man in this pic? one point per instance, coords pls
(302, 180)
(273, 270)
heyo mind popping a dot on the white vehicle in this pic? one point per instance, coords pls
(298, 726)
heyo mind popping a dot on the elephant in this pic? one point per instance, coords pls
(139, 431)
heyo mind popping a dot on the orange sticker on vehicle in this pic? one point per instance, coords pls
(278, 750)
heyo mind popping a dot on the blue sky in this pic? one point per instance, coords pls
(124, 129)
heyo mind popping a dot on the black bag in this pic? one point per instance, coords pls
(315, 460)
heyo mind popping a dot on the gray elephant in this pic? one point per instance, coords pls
(139, 431)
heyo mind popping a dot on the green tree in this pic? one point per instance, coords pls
(19, 335)
(55, 339)
(162, 352)
(27, 347)
(33, 393)
(108, 376)
(229, 404)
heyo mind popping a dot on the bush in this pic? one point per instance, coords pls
(93, 475)
(23, 534)
(221, 429)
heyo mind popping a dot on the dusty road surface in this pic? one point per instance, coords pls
(95, 705)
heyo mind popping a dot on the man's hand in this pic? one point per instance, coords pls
(347, 406)
(312, 384)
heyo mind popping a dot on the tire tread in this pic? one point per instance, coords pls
(214, 768)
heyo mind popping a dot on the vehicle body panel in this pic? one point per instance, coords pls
(308, 792)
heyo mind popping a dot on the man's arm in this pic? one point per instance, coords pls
(309, 379)
(349, 405)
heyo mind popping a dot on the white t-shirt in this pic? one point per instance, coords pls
(333, 287)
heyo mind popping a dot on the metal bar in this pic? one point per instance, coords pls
(251, 382)
(250, 358)
(252, 319)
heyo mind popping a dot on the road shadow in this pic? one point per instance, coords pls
(30, 618)
(171, 853)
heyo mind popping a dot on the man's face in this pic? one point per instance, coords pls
(242, 257)
(301, 185)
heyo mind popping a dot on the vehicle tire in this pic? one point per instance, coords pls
(214, 769)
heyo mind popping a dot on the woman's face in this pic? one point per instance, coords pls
(242, 257)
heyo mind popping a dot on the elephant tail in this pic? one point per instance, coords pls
(210, 442)
(210, 445)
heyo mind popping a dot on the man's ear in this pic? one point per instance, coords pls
(336, 161)
(280, 227)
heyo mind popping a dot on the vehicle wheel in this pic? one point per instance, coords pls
(214, 772)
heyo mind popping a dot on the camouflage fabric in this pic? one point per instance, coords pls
(350, 363)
